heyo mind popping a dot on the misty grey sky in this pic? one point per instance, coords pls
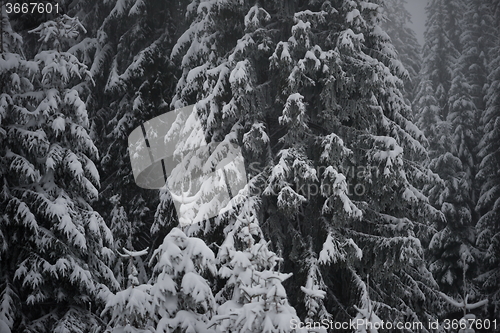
(417, 11)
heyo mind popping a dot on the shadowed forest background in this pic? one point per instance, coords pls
(373, 165)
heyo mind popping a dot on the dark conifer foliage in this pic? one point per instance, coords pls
(332, 102)
(127, 53)
(453, 103)
(488, 205)
(440, 52)
(372, 166)
(405, 42)
(55, 249)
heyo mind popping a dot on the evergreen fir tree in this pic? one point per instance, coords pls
(456, 73)
(405, 42)
(441, 49)
(331, 224)
(314, 289)
(311, 92)
(488, 205)
(477, 42)
(127, 55)
(440, 52)
(55, 247)
(370, 321)
(459, 161)
(465, 305)
(177, 298)
(429, 119)
(455, 239)
(132, 308)
(181, 295)
(253, 298)
(125, 233)
(12, 66)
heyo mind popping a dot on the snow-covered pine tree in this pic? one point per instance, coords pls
(314, 288)
(405, 42)
(466, 322)
(12, 66)
(454, 130)
(467, 93)
(125, 234)
(253, 298)
(458, 164)
(181, 293)
(440, 52)
(478, 28)
(351, 132)
(428, 118)
(127, 53)
(131, 309)
(312, 92)
(457, 199)
(55, 247)
(177, 298)
(488, 205)
(369, 321)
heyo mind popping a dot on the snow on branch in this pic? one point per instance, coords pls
(129, 253)
(463, 304)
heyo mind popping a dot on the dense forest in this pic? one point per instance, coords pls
(372, 194)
